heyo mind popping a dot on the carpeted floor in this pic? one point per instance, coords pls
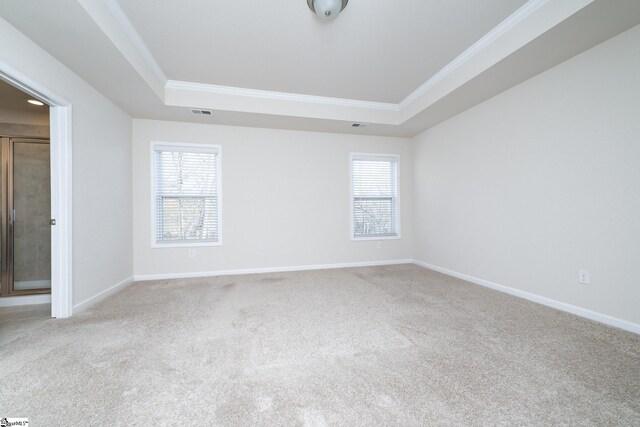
(397, 345)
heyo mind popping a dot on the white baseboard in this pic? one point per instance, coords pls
(144, 277)
(77, 308)
(579, 311)
(25, 300)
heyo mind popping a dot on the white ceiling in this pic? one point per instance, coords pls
(376, 50)
(14, 99)
(402, 67)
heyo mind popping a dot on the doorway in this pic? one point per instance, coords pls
(59, 133)
(25, 197)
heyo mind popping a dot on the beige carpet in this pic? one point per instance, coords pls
(396, 345)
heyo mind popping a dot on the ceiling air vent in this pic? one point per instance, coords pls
(199, 112)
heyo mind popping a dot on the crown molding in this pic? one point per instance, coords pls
(191, 94)
(127, 26)
(514, 19)
(526, 24)
(279, 96)
(532, 20)
(114, 23)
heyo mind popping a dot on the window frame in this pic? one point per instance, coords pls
(155, 244)
(374, 156)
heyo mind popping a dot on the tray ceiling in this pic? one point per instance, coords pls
(401, 67)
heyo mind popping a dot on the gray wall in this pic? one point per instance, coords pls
(102, 225)
(529, 187)
(285, 199)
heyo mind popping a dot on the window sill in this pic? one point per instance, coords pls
(155, 245)
(365, 238)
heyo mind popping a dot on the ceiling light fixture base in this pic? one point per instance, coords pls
(327, 9)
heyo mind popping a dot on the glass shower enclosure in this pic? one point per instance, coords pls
(25, 231)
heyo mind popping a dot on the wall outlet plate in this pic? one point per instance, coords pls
(192, 253)
(583, 276)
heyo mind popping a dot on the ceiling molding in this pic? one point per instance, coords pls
(280, 96)
(533, 19)
(128, 27)
(498, 31)
(115, 24)
(526, 24)
(190, 94)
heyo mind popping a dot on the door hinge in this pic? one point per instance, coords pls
(52, 221)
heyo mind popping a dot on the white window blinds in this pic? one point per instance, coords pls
(375, 196)
(187, 199)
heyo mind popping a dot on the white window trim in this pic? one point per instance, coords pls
(375, 156)
(152, 151)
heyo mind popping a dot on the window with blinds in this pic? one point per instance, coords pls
(187, 194)
(375, 196)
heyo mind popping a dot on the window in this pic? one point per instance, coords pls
(374, 189)
(186, 195)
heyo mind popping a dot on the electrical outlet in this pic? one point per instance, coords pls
(192, 253)
(583, 276)
(379, 244)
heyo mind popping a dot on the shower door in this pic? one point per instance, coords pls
(26, 212)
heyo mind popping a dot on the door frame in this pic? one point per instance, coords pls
(61, 189)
